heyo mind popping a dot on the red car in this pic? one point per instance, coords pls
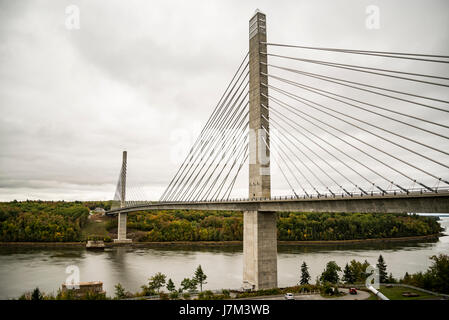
(352, 291)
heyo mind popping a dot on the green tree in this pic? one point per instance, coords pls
(37, 295)
(391, 279)
(119, 291)
(330, 274)
(382, 268)
(359, 270)
(157, 281)
(188, 285)
(348, 274)
(305, 276)
(439, 273)
(170, 285)
(200, 277)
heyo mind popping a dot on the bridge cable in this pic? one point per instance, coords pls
(368, 52)
(305, 165)
(210, 120)
(240, 154)
(384, 152)
(280, 168)
(318, 156)
(301, 99)
(214, 142)
(196, 194)
(211, 138)
(279, 147)
(283, 104)
(366, 143)
(331, 79)
(228, 191)
(238, 121)
(233, 119)
(203, 131)
(224, 110)
(311, 89)
(240, 144)
(284, 118)
(357, 69)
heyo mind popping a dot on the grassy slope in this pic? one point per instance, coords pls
(395, 293)
(96, 226)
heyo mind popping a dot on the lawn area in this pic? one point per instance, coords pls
(395, 293)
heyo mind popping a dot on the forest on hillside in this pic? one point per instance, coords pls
(60, 221)
(179, 225)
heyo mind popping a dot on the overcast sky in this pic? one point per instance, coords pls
(138, 75)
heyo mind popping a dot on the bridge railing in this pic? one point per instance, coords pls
(396, 192)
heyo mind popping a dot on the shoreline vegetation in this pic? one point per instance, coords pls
(63, 223)
(222, 243)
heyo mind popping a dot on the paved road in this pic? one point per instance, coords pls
(361, 295)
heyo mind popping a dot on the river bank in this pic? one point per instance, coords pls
(223, 243)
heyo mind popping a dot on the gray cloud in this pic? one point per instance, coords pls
(136, 75)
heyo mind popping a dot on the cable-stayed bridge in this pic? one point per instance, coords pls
(344, 137)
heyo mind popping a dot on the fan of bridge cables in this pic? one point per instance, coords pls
(211, 168)
(346, 121)
(128, 192)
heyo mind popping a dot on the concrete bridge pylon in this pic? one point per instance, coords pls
(122, 216)
(259, 228)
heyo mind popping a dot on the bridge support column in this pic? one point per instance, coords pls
(121, 231)
(122, 216)
(259, 250)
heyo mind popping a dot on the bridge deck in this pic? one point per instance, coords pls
(388, 203)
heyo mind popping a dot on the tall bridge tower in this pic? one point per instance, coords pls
(259, 228)
(122, 216)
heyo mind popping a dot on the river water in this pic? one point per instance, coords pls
(24, 268)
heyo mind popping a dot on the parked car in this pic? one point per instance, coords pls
(352, 291)
(289, 296)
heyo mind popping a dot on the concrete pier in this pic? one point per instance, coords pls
(121, 231)
(259, 250)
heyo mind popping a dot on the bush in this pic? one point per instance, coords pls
(120, 292)
(186, 296)
(163, 296)
(226, 293)
(327, 289)
(174, 295)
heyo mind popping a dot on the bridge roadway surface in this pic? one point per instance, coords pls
(388, 203)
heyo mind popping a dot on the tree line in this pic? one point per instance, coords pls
(183, 225)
